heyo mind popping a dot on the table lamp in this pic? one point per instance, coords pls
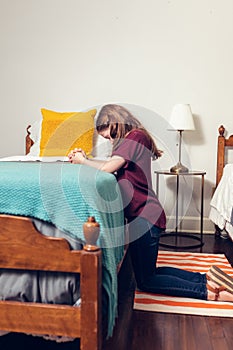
(181, 119)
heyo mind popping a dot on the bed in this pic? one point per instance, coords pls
(221, 205)
(35, 196)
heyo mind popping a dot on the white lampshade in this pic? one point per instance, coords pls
(181, 117)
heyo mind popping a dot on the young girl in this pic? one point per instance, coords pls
(133, 148)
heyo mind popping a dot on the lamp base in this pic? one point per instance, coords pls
(179, 168)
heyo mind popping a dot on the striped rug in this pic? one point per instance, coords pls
(192, 262)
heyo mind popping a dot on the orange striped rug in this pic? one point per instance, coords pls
(192, 262)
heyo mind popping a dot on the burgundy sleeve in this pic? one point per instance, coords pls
(132, 147)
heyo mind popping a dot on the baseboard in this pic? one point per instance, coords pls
(191, 224)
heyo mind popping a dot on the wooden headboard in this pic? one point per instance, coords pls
(223, 143)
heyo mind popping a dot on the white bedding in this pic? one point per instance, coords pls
(221, 204)
(29, 158)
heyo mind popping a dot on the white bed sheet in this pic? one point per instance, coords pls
(29, 158)
(222, 202)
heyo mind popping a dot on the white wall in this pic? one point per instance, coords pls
(71, 54)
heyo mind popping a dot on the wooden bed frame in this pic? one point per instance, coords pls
(23, 247)
(223, 144)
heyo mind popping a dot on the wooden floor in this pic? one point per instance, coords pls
(163, 331)
(138, 330)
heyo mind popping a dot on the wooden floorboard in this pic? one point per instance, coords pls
(140, 330)
(163, 331)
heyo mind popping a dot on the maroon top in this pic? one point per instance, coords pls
(135, 181)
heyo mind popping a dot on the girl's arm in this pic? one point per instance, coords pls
(110, 166)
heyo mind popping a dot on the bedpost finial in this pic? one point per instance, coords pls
(221, 130)
(91, 230)
(29, 141)
(28, 132)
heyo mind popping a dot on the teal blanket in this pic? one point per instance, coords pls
(65, 195)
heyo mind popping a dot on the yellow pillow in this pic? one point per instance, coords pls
(61, 132)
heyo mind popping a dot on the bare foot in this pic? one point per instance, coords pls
(218, 293)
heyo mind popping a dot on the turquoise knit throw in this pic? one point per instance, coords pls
(66, 195)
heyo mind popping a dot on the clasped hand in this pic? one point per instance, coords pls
(77, 156)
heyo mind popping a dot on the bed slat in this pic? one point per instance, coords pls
(30, 318)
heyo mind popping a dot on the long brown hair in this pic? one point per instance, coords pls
(121, 121)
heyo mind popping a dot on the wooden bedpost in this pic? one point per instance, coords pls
(220, 154)
(91, 288)
(28, 141)
(223, 144)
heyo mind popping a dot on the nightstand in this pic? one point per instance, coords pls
(197, 238)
